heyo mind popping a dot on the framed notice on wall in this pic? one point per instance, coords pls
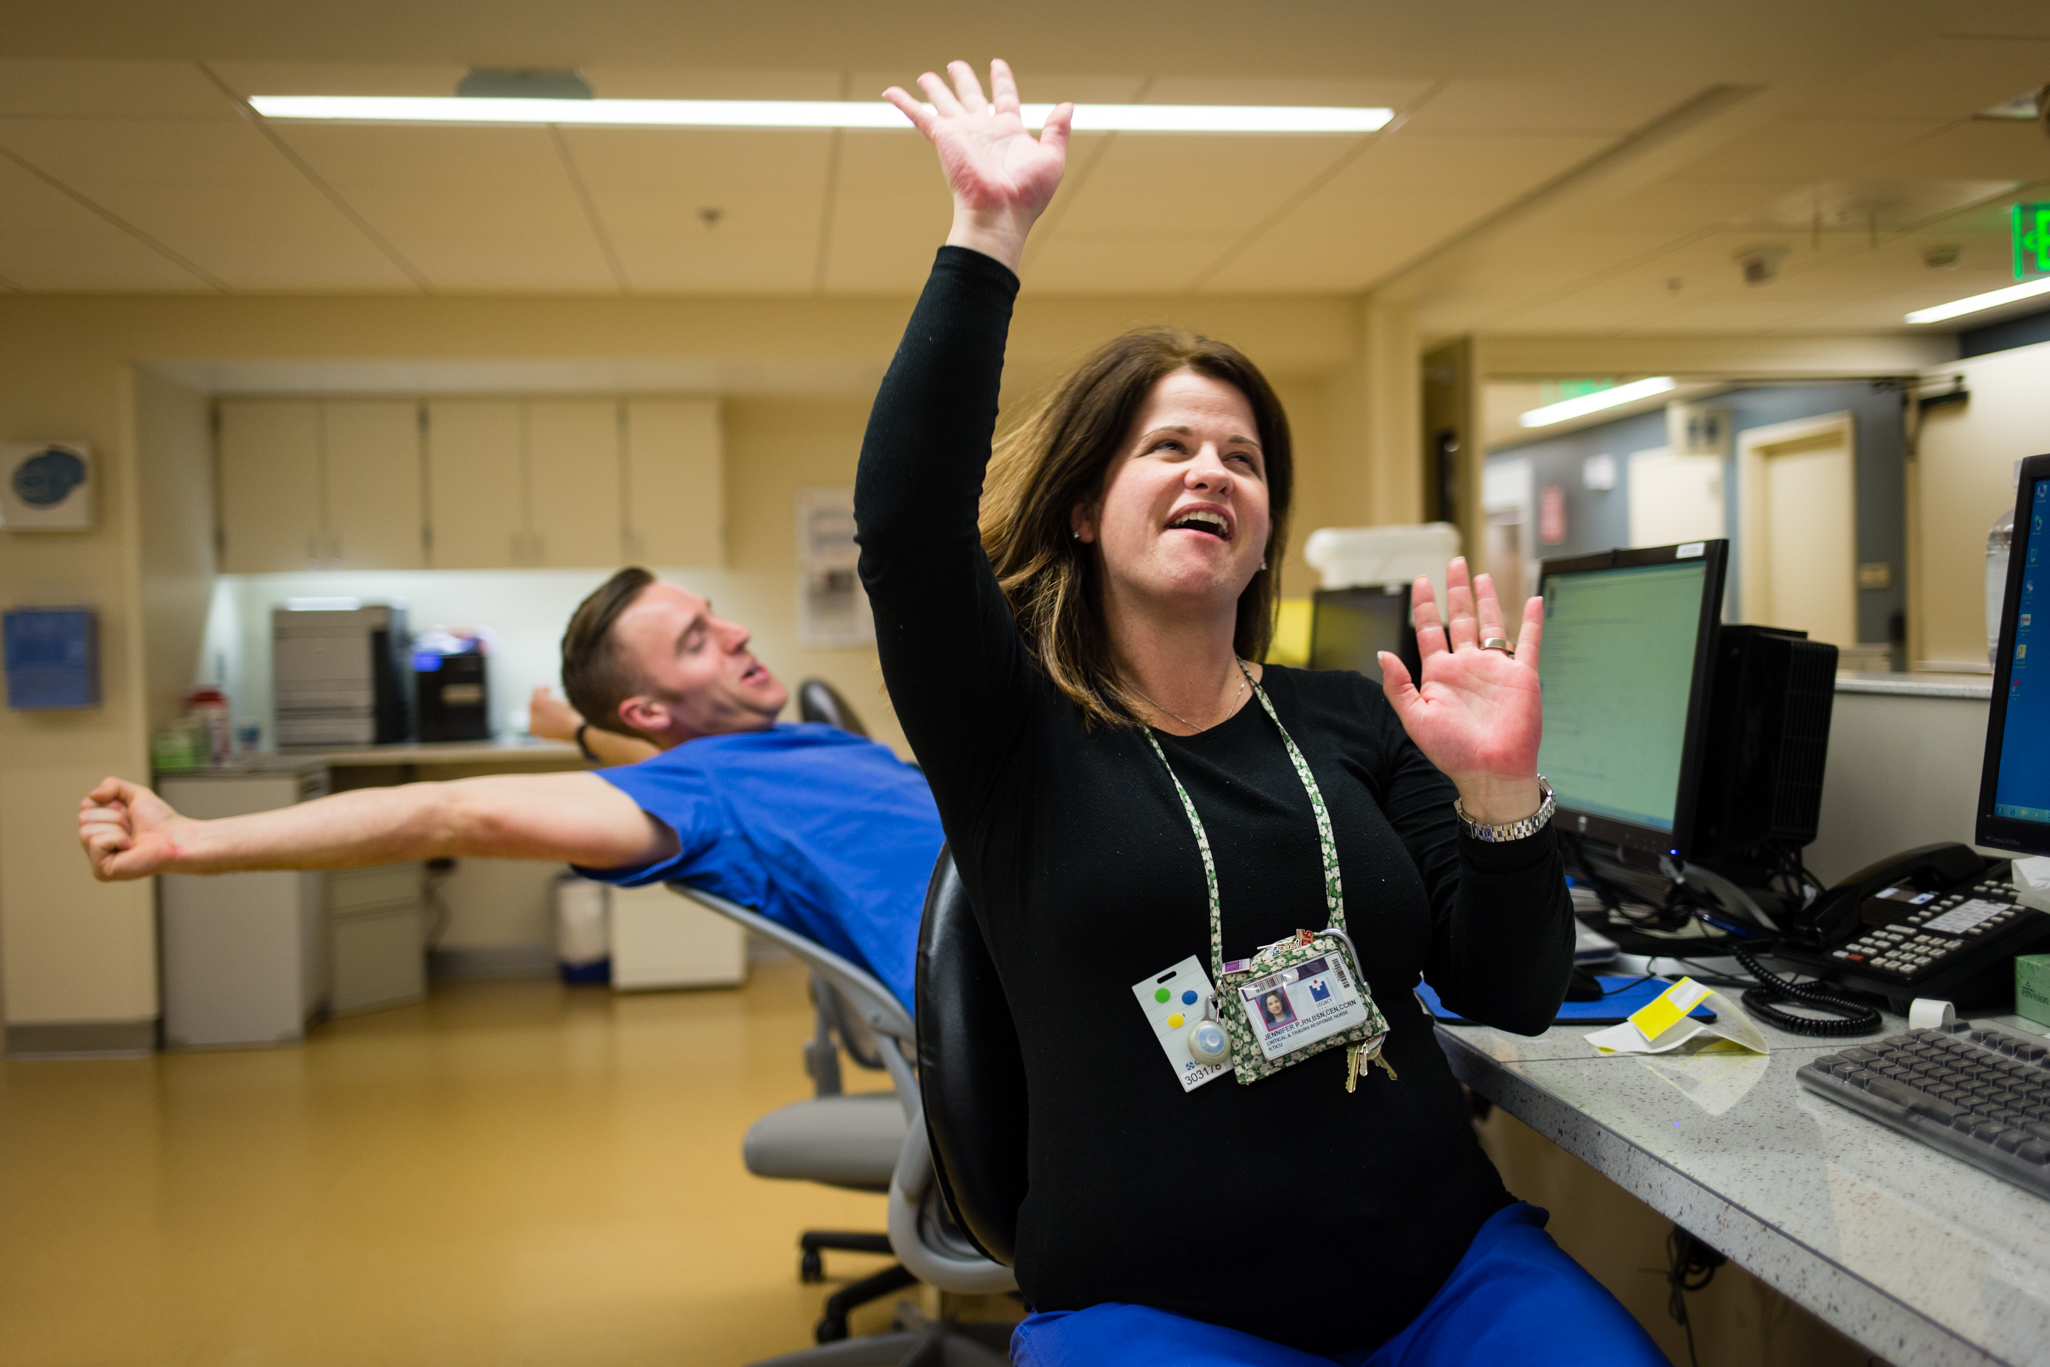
(832, 609)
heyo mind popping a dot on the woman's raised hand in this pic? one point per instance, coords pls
(1001, 176)
(1477, 714)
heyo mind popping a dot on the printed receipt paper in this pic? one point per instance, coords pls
(1664, 1024)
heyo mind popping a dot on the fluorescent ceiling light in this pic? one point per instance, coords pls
(1597, 401)
(1092, 118)
(1992, 300)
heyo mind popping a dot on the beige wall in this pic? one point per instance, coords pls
(1960, 480)
(796, 374)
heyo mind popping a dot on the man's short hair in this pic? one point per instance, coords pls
(597, 674)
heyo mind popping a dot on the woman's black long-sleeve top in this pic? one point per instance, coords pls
(1289, 1209)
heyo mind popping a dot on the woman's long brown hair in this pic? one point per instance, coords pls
(1059, 455)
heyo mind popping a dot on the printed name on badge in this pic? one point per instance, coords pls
(1301, 1005)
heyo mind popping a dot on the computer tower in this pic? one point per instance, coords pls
(1770, 697)
(339, 676)
(454, 694)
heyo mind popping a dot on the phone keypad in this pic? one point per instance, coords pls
(1905, 949)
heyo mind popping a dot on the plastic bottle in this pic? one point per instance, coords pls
(210, 707)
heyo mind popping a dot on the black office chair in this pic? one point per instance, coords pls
(818, 700)
(971, 1071)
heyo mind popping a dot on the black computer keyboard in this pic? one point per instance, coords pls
(1977, 1092)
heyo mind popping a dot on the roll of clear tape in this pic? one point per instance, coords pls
(1928, 1013)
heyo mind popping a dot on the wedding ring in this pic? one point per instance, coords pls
(1498, 643)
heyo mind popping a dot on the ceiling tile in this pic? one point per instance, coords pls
(472, 208)
(653, 188)
(1127, 265)
(339, 78)
(1942, 79)
(51, 242)
(660, 83)
(1808, 149)
(1355, 94)
(1165, 188)
(1523, 107)
(110, 90)
(216, 193)
(1977, 149)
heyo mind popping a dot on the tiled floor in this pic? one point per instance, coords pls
(512, 1173)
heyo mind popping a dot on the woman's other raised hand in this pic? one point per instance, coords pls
(1001, 176)
(1477, 714)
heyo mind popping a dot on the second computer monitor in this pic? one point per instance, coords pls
(1628, 642)
(1350, 627)
(2014, 789)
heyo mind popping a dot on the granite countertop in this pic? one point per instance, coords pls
(1917, 1256)
(1974, 687)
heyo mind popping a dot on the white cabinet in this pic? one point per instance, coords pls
(470, 484)
(371, 484)
(377, 933)
(675, 482)
(269, 483)
(244, 954)
(308, 484)
(573, 460)
(476, 484)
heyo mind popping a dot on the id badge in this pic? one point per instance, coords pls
(1173, 1003)
(1298, 1006)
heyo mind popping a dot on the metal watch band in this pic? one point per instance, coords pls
(1515, 830)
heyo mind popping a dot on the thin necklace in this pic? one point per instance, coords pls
(1229, 712)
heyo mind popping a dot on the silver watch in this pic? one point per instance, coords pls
(1515, 830)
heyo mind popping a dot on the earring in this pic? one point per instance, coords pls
(1076, 535)
(1263, 564)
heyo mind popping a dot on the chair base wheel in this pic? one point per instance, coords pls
(811, 1267)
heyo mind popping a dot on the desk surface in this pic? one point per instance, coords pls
(1920, 1258)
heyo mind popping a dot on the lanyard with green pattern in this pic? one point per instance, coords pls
(1334, 893)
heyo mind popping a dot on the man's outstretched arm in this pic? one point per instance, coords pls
(130, 832)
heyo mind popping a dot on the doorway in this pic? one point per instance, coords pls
(1797, 500)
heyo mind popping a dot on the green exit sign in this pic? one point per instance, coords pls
(2031, 241)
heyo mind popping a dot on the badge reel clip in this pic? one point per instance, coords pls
(1208, 1044)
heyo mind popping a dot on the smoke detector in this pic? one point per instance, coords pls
(1942, 256)
(1760, 264)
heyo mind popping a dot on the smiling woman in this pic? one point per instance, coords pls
(1125, 785)
(1157, 431)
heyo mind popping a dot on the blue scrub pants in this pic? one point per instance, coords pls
(1514, 1298)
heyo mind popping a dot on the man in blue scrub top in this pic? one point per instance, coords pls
(820, 830)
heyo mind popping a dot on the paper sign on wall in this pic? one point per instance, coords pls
(832, 608)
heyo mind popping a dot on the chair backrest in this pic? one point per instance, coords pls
(818, 700)
(971, 1068)
(885, 1017)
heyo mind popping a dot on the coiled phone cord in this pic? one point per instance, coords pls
(1762, 1000)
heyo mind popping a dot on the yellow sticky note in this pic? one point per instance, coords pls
(1668, 1009)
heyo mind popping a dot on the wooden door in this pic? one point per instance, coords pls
(675, 482)
(270, 487)
(573, 472)
(1799, 558)
(476, 485)
(370, 469)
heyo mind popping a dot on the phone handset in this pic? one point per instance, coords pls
(1835, 915)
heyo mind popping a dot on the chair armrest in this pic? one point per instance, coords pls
(946, 1264)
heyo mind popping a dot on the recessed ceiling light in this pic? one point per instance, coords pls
(1993, 299)
(1089, 118)
(1597, 401)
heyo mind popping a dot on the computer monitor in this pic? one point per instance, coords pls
(1628, 648)
(1348, 627)
(2014, 785)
